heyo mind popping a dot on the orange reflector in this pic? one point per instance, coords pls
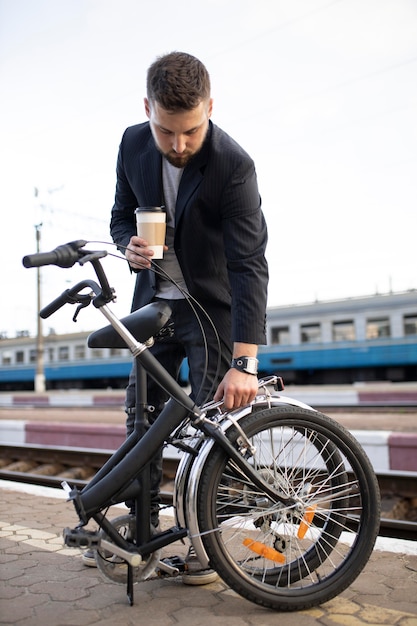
(263, 550)
(306, 521)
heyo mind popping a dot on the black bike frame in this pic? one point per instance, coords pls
(120, 477)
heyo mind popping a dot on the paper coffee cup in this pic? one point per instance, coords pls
(151, 225)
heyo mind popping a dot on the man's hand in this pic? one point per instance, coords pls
(236, 389)
(138, 254)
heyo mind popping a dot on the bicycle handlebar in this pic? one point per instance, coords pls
(53, 306)
(65, 255)
(71, 296)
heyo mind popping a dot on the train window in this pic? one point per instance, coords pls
(376, 328)
(79, 351)
(410, 324)
(63, 353)
(20, 356)
(6, 358)
(116, 351)
(281, 335)
(310, 333)
(51, 354)
(343, 331)
(32, 356)
(97, 353)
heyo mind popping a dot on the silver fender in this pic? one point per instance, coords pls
(190, 468)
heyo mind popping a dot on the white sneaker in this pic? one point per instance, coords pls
(89, 558)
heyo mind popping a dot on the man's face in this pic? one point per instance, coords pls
(179, 135)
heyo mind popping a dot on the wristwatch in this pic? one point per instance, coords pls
(247, 364)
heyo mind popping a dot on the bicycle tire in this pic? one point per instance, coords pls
(290, 557)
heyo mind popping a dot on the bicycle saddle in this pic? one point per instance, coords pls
(143, 324)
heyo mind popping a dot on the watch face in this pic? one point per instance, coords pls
(246, 364)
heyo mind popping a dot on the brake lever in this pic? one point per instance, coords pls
(82, 305)
(92, 256)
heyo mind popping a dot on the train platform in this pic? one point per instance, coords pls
(94, 419)
(356, 394)
(44, 582)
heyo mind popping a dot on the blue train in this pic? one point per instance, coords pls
(360, 339)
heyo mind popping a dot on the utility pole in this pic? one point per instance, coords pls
(40, 369)
(40, 375)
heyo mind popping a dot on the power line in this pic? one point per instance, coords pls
(72, 214)
(274, 29)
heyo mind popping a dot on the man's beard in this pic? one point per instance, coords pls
(178, 160)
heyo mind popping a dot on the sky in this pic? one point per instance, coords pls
(321, 93)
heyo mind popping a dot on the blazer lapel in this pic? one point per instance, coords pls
(151, 176)
(190, 181)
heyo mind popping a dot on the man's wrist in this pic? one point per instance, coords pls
(247, 364)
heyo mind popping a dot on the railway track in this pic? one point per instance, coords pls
(48, 466)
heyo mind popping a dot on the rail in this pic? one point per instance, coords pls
(48, 466)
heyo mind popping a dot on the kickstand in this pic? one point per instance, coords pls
(129, 590)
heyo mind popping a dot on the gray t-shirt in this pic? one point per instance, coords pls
(171, 177)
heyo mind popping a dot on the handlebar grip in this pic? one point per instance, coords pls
(63, 256)
(56, 304)
(39, 259)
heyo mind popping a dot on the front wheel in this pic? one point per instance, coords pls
(297, 555)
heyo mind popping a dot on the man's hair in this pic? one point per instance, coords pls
(178, 81)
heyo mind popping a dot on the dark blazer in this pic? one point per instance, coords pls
(220, 231)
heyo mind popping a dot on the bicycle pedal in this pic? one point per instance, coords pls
(171, 566)
(79, 538)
